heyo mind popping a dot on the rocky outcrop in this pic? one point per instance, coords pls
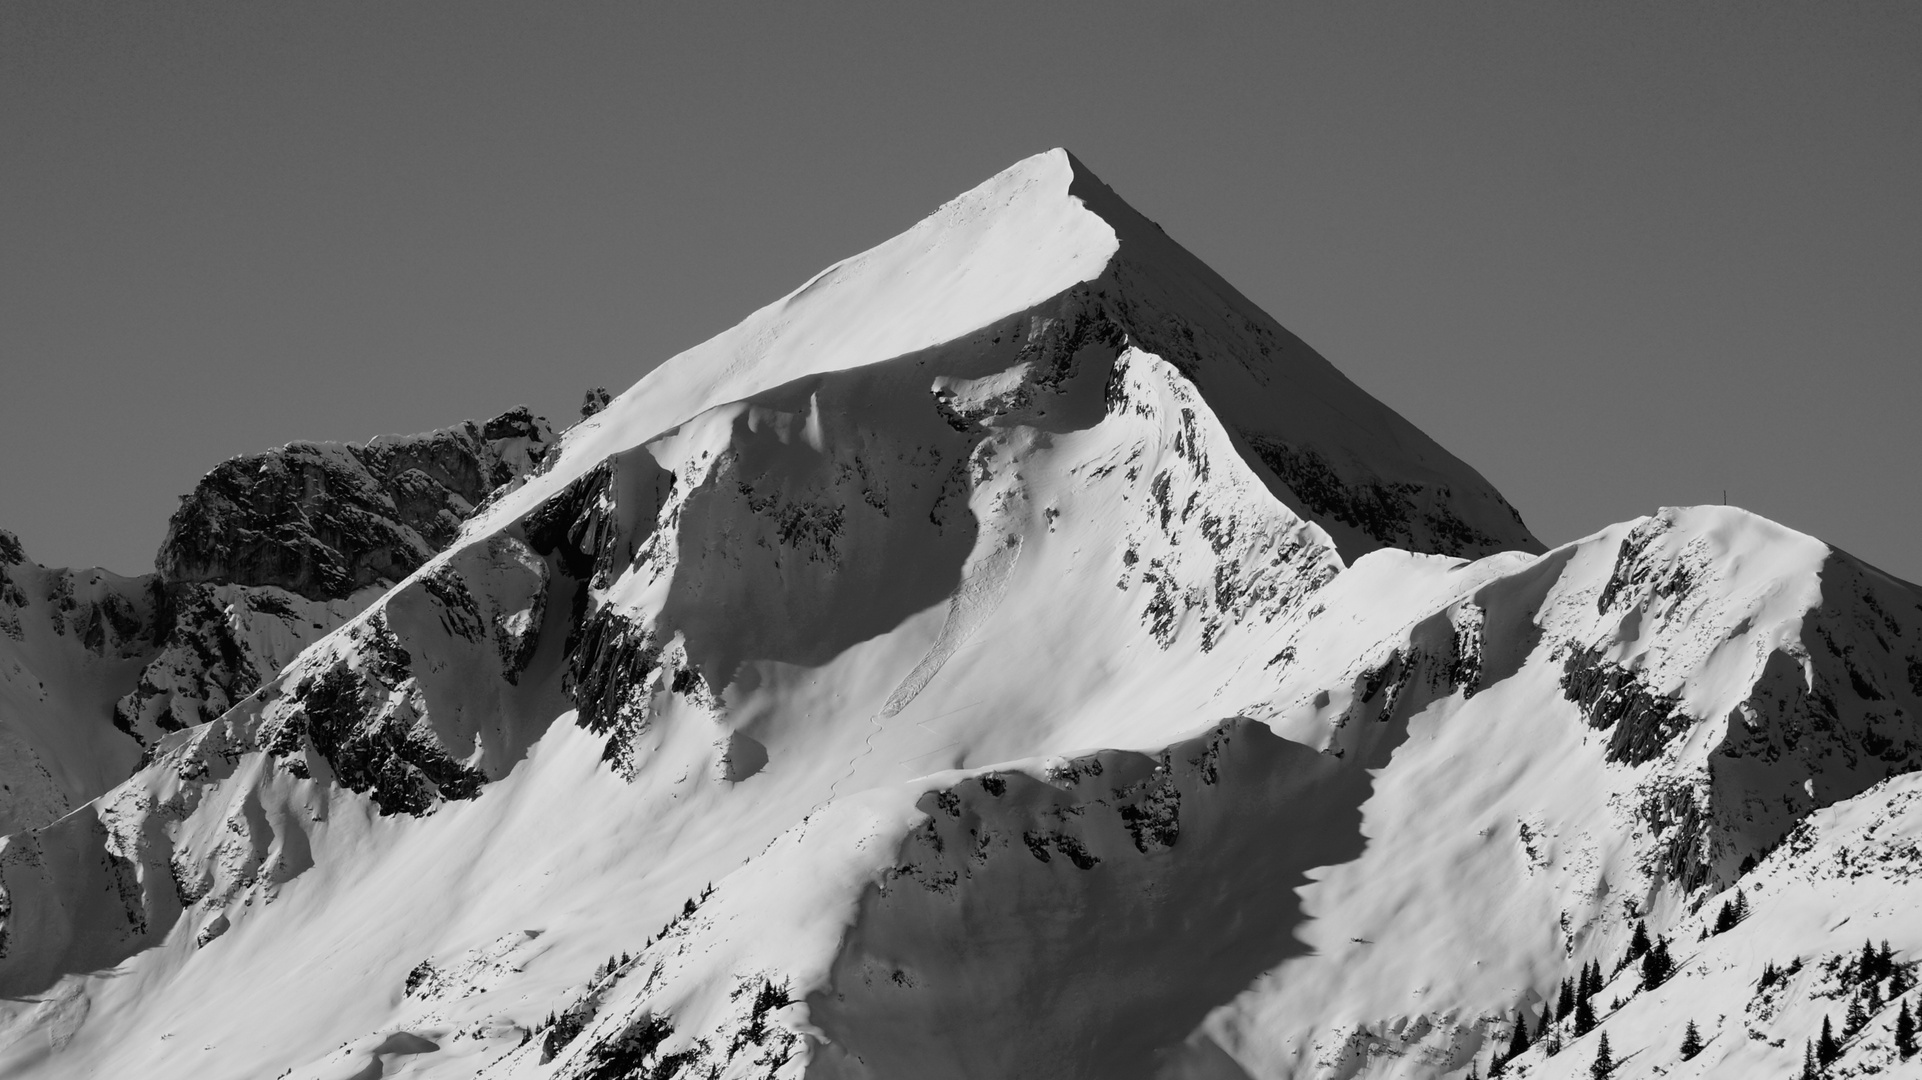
(269, 554)
(322, 520)
(272, 551)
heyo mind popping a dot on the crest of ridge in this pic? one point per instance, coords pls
(1047, 237)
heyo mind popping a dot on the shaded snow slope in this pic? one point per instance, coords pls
(955, 670)
(70, 643)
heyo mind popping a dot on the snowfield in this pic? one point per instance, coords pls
(1012, 654)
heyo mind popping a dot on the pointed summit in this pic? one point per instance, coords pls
(1048, 240)
(1326, 448)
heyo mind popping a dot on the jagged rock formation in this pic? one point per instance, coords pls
(272, 551)
(324, 520)
(1010, 654)
(251, 573)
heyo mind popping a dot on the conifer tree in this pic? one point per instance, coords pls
(1885, 960)
(1905, 1033)
(1854, 1020)
(1565, 1004)
(1638, 941)
(1827, 1049)
(1604, 1061)
(1584, 1016)
(1547, 1022)
(1808, 1061)
(1691, 1041)
(1656, 966)
(1518, 1040)
(1867, 966)
(1725, 918)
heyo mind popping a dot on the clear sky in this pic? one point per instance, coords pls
(1616, 256)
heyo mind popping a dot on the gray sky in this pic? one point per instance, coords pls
(1615, 256)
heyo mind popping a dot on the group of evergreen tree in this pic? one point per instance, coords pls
(1863, 975)
(692, 905)
(1657, 965)
(613, 964)
(1874, 964)
(1732, 913)
(1575, 1002)
(1772, 974)
(1865, 972)
(1577, 998)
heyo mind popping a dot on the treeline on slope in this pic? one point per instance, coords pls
(1872, 979)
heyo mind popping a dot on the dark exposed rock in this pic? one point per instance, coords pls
(578, 523)
(610, 677)
(11, 553)
(594, 401)
(1679, 817)
(259, 560)
(1634, 570)
(1099, 320)
(1151, 809)
(212, 671)
(375, 744)
(324, 519)
(1644, 721)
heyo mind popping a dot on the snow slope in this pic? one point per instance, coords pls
(1011, 654)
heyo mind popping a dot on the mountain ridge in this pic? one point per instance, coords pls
(931, 677)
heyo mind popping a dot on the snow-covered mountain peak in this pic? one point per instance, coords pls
(1047, 255)
(1000, 248)
(1010, 654)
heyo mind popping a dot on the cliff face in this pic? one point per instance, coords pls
(273, 551)
(323, 520)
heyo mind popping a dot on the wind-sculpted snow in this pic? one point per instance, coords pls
(955, 670)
